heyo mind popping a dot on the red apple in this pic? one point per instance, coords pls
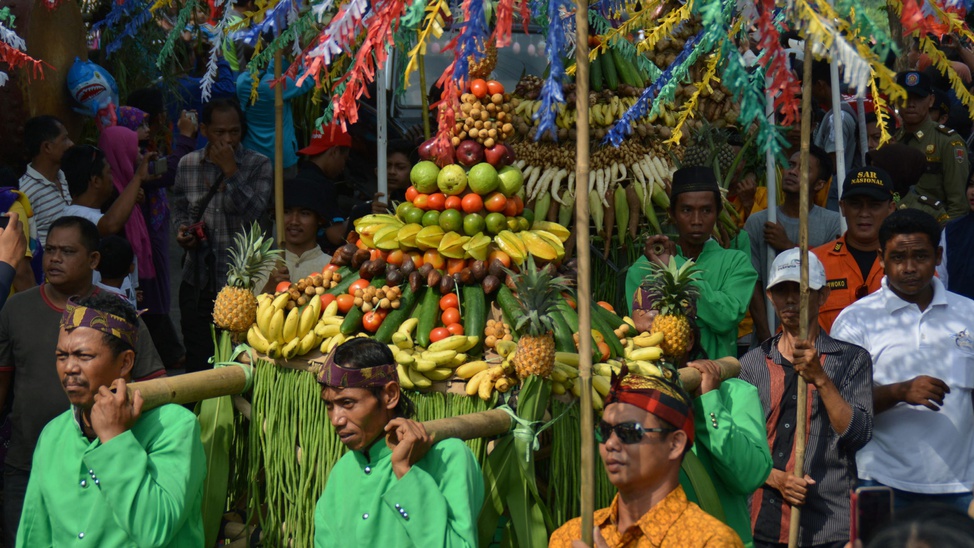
(499, 155)
(470, 153)
(443, 155)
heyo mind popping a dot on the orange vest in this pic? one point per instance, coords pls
(844, 278)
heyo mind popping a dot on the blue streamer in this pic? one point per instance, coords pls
(472, 40)
(275, 21)
(552, 97)
(142, 16)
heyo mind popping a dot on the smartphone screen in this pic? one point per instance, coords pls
(4, 221)
(872, 508)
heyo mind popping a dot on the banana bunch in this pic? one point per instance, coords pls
(500, 378)
(542, 244)
(645, 347)
(567, 363)
(419, 368)
(281, 333)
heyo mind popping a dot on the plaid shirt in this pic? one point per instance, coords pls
(830, 457)
(242, 200)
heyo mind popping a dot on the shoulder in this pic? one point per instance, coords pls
(835, 246)
(756, 220)
(255, 157)
(172, 415)
(711, 531)
(194, 158)
(451, 452)
(735, 388)
(564, 535)
(945, 130)
(26, 299)
(753, 358)
(847, 349)
(54, 430)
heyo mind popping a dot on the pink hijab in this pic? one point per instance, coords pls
(121, 148)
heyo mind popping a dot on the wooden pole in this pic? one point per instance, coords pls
(424, 96)
(587, 420)
(803, 311)
(279, 149)
(837, 134)
(191, 387)
(382, 108)
(771, 179)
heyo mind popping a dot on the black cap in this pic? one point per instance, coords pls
(870, 181)
(693, 179)
(305, 193)
(915, 82)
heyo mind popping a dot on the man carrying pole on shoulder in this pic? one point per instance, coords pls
(396, 486)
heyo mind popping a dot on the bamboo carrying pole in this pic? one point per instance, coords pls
(838, 135)
(803, 311)
(192, 387)
(587, 424)
(278, 150)
(771, 179)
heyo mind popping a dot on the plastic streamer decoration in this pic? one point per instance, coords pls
(552, 98)
(206, 84)
(12, 48)
(141, 12)
(436, 11)
(181, 20)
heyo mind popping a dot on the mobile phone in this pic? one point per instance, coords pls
(4, 221)
(872, 508)
(158, 167)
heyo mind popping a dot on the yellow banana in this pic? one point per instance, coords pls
(274, 350)
(423, 365)
(597, 403)
(290, 331)
(306, 321)
(630, 321)
(601, 384)
(457, 361)
(404, 380)
(505, 348)
(265, 312)
(486, 388)
(281, 300)
(441, 357)
(332, 320)
(648, 339)
(331, 309)
(473, 384)
(256, 340)
(649, 353)
(408, 326)
(335, 341)
(557, 375)
(453, 342)
(309, 341)
(316, 306)
(290, 350)
(468, 370)
(567, 358)
(503, 384)
(405, 358)
(276, 331)
(418, 379)
(324, 330)
(577, 389)
(557, 388)
(568, 370)
(439, 374)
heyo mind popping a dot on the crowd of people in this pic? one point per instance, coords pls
(887, 351)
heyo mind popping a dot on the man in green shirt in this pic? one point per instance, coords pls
(726, 279)
(395, 487)
(104, 472)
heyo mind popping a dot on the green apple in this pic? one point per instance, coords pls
(496, 222)
(423, 176)
(511, 180)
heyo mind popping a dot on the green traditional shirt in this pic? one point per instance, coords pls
(435, 504)
(143, 487)
(731, 443)
(726, 283)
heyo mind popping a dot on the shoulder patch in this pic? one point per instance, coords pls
(945, 130)
(838, 247)
(960, 154)
(837, 284)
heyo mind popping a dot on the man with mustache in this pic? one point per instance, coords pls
(921, 338)
(29, 327)
(839, 377)
(110, 474)
(645, 431)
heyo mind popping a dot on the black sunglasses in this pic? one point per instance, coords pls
(628, 432)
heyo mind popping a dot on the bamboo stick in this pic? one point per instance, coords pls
(800, 419)
(424, 96)
(191, 387)
(587, 424)
(279, 149)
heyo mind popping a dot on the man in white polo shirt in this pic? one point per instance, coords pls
(921, 338)
(46, 140)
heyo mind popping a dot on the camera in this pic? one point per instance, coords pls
(198, 230)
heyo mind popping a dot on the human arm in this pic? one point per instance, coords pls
(150, 488)
(225, 84)
(724, 298)
(923, 390)
(758, 308)
(847, 406)
(184, 143)
(955, 178)
(118, 214)
(738, 443)
(248, 190)
(792, 488)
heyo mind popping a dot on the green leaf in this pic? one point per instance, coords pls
(216, 433)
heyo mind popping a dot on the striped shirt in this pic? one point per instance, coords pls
(830, 456)
(47, 198)
(243, 199)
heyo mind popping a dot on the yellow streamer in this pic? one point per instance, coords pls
(879, 106)
(432, 24)
(690, 106)
(665, 28)
(940, 61)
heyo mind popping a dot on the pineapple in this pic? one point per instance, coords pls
(235, 308)
(673, 296)
(710, 148)
(485, 66)
(538, 293)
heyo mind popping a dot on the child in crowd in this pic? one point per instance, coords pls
(305, 215)
(115, 267)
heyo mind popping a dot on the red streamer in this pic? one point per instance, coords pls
(525, 13)
(784, 84)
(505, 20)
(14, 58)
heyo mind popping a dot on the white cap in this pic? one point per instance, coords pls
(787, 268)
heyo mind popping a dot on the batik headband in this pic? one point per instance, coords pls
(655, 395)
(336, 376)
(76, 316)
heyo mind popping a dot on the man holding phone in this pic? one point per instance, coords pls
(219, 190)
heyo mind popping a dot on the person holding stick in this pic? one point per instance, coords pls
(107, 473)
(921, 338)
(396, 486)
(839, 423)
(645, 432)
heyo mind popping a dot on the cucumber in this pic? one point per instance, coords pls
(347, 280)
(597, 81)
(610, 318)
(598, 324)
(563, 333)
(428, 314)
(610, 72)
(508, 305)
(407, 301)
(353, 320)
(623, 68)
(570, 316)
(474, 315)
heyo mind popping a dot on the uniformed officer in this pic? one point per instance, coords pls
(945, 177)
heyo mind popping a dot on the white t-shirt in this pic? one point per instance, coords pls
(913, 448)
(90, 213)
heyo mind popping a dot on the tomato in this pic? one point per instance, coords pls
(411, 193)
(454, 266)
(479, 88)
(282, 287)
(450, 315)
(326, 299)
(434, 258)
(495, 202)
(472, 203)
(395, 257)
(439, 334)
(455, 329)
(453, 202)
(345, 303)
(510, 209)
(361, 283)
(373, 319)
(504, 258)
(437, 201)
(493, 86)
(450, 300)
(417, 258)
(520, 204)
(376, 254)
(422, 201)
(330, 266)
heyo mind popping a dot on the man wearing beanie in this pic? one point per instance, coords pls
(726, 279)
(839, 423)
(645, 431)
(852, 267)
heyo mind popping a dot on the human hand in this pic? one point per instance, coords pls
(774, 235)
(644, 319)
(222, 155)
(187, 123)
(278, 275)
(409, 443)
(808, 364)
(709, 375)
(142, 172)
(745, 188)
(378, 206)
(140, 197)
(113, 413)
(792, 488)
(186, 239)
(926, 391)
(659, 249)
(13, 244)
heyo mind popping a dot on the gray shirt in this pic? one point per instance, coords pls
(823, 227)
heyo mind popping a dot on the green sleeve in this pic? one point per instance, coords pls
(955, 179)
(721, 305)
(738, 443)
(323, 526)
(440, 511)
(34, 530)
(149, 489)
(634, 278)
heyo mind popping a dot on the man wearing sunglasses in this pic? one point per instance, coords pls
(852, 266)
(645, 431)
(839, 421)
